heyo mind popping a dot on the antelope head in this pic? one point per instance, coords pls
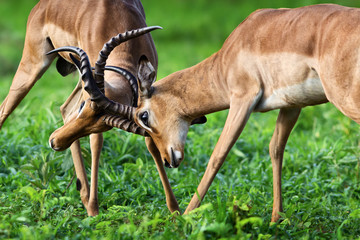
(97, 113)
(170, 130)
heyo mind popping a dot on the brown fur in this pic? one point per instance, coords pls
(87, 24)
(276, 59)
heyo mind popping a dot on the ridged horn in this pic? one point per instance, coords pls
(110, 45)
(130, 77)
(90, 86)
(124, 124)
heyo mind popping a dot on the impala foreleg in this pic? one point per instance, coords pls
(171, 201)
(96, 143)
(240, 110)
(284, 124)
(82, 184)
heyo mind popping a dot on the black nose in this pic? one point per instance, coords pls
(175, 162)
(167, 164)
(52, 143)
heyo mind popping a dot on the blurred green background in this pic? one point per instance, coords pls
(193, 29)
(321, 173)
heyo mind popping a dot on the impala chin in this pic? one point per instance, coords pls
(173, 159)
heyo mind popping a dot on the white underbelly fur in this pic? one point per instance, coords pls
(309, 92)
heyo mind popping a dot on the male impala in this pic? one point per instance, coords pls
(275, 59)
(87, 24)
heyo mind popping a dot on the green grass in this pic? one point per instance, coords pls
(321, 172)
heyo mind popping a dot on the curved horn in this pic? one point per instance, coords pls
(83, 65)
(90, 86)
(124, 124)
(110, 45)
(130, 77)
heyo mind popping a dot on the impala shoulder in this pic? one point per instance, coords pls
(265, 12)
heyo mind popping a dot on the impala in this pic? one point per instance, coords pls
(283, 59)
(87, 24)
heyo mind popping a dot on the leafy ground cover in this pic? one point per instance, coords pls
(38, 200)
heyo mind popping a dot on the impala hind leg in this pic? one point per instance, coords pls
(171, 201)
(33, 64)
(240, 109)
(284, 124)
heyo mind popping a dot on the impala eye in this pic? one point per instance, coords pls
(144, 117)
(81, 106)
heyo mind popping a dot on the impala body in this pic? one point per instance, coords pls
(283, 59)
(87, 24)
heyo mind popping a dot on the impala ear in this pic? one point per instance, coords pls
(200, 120)
(146, 76)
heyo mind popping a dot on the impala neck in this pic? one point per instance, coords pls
(195, 91)
(122, 59)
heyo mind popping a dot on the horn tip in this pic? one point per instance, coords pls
(158, 27)
(151, 28)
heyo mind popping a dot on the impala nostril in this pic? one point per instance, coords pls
(51, 143)
(175, 158)
(166, 163)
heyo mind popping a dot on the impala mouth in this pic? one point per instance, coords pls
(166, 164)
(51, 143)
(175, 159)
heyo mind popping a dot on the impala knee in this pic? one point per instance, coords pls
(276, 152)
